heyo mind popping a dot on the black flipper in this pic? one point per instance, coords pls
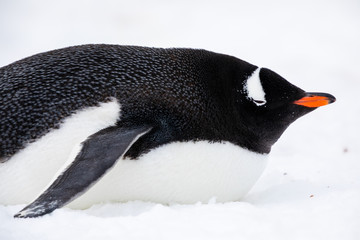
(98, 154)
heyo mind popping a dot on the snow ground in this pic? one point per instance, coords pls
(310, 189)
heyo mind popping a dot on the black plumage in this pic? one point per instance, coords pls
(185, 94)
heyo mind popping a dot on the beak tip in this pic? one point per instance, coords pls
(331, 99)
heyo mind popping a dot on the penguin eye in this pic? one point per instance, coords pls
(259, 102)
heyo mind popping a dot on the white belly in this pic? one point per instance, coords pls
(181, 173)
(177, 172)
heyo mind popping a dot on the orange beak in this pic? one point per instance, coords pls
(314, 100)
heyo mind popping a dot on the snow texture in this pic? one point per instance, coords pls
(310, 188)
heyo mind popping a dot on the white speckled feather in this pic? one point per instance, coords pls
(254, 88)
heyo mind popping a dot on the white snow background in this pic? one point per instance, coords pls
(311, 187)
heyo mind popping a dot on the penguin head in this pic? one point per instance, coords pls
(267, 104)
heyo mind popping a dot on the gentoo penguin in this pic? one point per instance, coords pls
(97, 123)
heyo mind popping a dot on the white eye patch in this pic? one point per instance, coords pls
(254, 89)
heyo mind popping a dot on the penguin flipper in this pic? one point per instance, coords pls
(98, 154)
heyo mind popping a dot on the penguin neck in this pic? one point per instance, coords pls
(266, 139)
(257, 137)
(264, 134)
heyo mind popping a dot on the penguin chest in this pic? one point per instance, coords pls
(184, 172)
